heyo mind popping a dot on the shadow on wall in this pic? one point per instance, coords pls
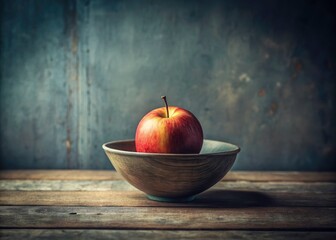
(76, 74)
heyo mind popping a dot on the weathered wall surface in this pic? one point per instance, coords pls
(75, 74)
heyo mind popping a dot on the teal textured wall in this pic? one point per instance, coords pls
(76, 74)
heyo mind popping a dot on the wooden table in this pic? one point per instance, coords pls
(101, 205)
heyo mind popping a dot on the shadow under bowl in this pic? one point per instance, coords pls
(172, 177)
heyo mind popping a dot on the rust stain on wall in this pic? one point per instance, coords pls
(297, 66)
(71, 33)
(273, 109)
(68, 146)
(261, 92)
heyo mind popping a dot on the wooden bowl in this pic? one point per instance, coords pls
(172, 177)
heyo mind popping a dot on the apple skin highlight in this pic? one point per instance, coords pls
(180, 133)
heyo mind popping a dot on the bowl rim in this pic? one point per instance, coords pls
(131, 153)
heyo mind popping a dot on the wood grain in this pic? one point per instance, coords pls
(122, 185)
(167, 218)
(159, 234)
(59, 174)
(253, 176)
(211, 199)
(65, 185)
(286, 176)
(172, 176)
(77, 204)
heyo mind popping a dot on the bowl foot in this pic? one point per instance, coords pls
(171, 199)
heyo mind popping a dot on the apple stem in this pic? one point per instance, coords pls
(165, 101)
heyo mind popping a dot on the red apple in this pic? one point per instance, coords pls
(169, 130)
